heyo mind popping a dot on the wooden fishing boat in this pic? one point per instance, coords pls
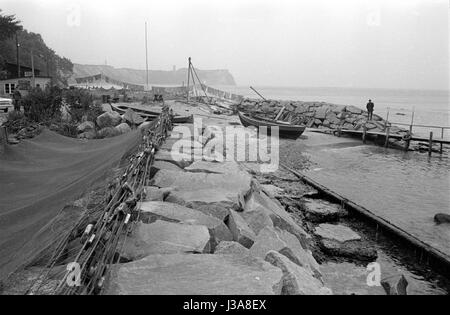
(148, 116)
(183, 119)
(285, 129)
(122, 110)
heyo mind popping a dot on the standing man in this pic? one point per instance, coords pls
(16, 97)
(370, 107)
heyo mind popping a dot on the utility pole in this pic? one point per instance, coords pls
(146, 56)
(17, 52)
(32, 69)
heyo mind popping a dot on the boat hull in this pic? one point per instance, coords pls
(285, 131)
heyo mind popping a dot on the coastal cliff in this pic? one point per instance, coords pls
(134, 76)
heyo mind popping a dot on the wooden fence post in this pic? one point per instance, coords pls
(430, 143)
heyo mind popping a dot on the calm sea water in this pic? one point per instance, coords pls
(429, 107)
(407, 189)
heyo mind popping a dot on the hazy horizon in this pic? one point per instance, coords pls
(399, 44)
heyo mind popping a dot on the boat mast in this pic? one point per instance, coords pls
(146, 57)
(188, 78)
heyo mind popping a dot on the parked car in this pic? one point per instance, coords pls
(6, 105)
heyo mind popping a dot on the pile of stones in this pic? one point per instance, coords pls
(109, 124)
(320, 115)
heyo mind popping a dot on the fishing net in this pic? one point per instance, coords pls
(38, 178)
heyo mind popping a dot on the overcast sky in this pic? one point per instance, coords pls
(372, 43)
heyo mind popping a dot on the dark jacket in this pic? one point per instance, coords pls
(370, 106)
(17, 96)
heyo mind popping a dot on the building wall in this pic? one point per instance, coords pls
(4, 84)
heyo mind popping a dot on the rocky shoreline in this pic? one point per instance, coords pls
(206, 226)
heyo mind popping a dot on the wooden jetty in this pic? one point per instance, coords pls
(434, 257)
(408, 137)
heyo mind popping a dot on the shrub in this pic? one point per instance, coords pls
(15, 116)
(43, 105)
(81, 103)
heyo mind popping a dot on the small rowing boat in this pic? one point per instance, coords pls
(285, 129)
(149, 115)
(178, 119)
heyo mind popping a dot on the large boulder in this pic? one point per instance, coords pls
(123, 128)
(440, 218)
(151, 211)
(87, 135)
(257, 219)
(332, 118)
(338, 233)
(153, 193)
(296, 280)
(108, 119)
(321, 112)
(348, 126)
(338, 240)
(320, 211)
(240, 230)
(227, 167)
(301, 108)
(231, 248)
(272, 191)
(181, 274)
(353, 110)
(219, 210)
(106, 107)
(287, 244)
(108, 132)
(163, 165)
(206, 187)
(257, 200)
(86, 127)
(132, 118)
(353, 250)
(164, 237)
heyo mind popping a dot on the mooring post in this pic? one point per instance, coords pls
(407, 143)
(364, 134)
(386, 143)
(430, 143)
(412, 121)
(387, 118)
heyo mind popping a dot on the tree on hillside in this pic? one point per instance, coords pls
(8, 26)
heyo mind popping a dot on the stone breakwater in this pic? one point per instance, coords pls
(209, 227)
(222, 227)
(320, 115)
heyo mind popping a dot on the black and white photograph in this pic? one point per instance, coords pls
(224, 152)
